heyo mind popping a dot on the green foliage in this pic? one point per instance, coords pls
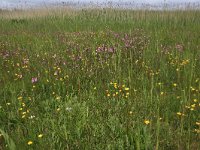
(101, 79)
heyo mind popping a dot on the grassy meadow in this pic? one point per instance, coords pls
(100, 79)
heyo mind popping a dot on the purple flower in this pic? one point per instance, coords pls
(34, 80)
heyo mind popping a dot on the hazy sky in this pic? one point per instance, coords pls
(15, 3)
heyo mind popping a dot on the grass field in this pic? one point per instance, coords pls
(100, 79)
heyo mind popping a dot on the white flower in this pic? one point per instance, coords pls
(68, 109)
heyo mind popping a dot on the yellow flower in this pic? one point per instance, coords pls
(175, 85)
(197, 130)
(188, 107)
(193, 106)
(24, 113)
(23, 104)
(146, 122)
(126, 89)
(108, 95)
(30, 143)
(179, 113)
(161, 93)
(58, 98)
(198, 123)
(19, 98)
(195, 100)
(40, 135)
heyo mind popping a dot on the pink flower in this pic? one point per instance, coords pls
(35, 79)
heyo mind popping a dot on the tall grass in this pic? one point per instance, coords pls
(100, 79)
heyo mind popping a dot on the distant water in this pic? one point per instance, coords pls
(126, 4)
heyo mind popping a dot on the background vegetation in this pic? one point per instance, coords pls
(100, 79)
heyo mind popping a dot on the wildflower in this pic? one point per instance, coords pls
(126, 89)
(146, 122)
(95, 88)
(130, 112)
(55, 73)
(68, 109)
(161, 93)
(115, 85)
(40, 135)
(195, 100)
(58, 98)
(198, 123)
(23, 104)
(23, 116)
(8, 104)
(193, 106)
(192, 89)
(108, 95)
(19, 98)
(188, 107)
(179, 113)
(34, 79)
(175, 85)
(197, 130)
(30, 143)
(31, 117)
